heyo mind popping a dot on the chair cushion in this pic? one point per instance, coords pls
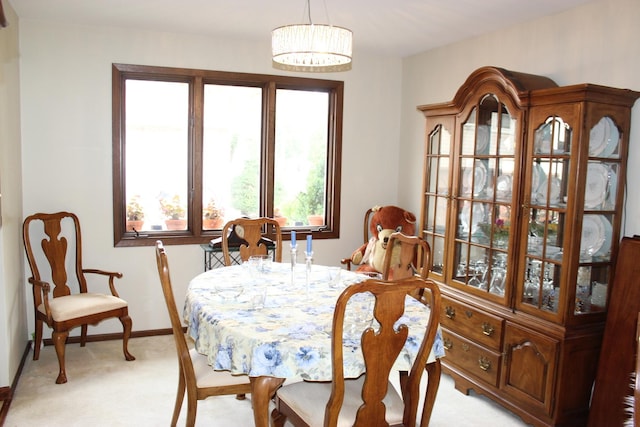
(80, 305)
(309, 399)
(207, 377)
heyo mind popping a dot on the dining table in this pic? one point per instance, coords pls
(273, 321)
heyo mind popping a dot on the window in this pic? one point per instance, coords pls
(193, 149)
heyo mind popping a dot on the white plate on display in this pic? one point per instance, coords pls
(537, 178)
(482, 141)
(595, 191)
(507, 145)
(479, 177)
(554, 196)
(603, 138)
(594, 234)
(612, 140)
(608, 232)
(468, 223)
(503, 187)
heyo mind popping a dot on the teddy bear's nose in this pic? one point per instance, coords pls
(386, 239)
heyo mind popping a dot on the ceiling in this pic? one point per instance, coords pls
(388, 27)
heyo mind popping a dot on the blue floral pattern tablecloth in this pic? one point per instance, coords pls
(290, 336)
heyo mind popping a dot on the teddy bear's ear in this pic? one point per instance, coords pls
(409, 217)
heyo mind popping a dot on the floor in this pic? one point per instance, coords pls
(105, 390)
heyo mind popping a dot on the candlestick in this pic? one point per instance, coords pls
(309, 261)
(309, 249)
(294, 256)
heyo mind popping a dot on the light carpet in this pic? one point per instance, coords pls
(105, 390)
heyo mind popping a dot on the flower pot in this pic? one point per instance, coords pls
(282, 220)
(176, 224)
(212, 224)
(315, 219)
(135, 225)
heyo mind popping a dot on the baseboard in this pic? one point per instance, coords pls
(6, 393)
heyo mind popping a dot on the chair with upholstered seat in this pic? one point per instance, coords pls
(252, 234)
(197, 377)
(54, 251)
(407, 256)
(370, 399)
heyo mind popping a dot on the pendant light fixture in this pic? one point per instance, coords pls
(311, 47)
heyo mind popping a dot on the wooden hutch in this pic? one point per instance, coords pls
(522, 205)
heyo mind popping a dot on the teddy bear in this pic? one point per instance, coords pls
(385, 220)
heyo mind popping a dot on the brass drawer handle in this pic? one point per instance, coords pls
(487, 329)
(484, 363)
(465, 347)
(450, 312)
(447, 344)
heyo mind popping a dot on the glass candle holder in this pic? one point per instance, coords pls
(294, 256)
(308, 262)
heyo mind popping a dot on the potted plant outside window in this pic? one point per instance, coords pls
(282, 220)
(174, 213)
(212, 216)
(135, 214)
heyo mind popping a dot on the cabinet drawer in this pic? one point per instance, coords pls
(476, 360)
(471, 323)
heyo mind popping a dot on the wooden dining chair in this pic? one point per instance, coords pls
(407, 256)
(197, 377)
(252, 233)
(370, 400)
(365, 236)
(53, 244)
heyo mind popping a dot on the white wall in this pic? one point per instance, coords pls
(595, 43)
(66, 140)
(13, 317)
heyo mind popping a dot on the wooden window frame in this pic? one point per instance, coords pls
(194, 234)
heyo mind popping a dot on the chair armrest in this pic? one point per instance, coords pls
(347, 262)
(41, 291)
(111, 274)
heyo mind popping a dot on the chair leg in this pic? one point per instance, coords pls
(277, 418)
(59, 341)
(192, 408)
(126, 327)
(37, 340)
(434, 370)
(179, 399)
(83, 335)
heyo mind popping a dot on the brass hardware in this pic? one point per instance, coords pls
(469, 314)
(465, 347)
(487, 329)
(447, 343)
(450, 312)
(484, 363)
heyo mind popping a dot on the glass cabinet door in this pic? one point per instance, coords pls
(600, 205)
(437, 194)
(484, 196)
(548, 179)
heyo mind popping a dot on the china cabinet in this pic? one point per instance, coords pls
(522, 206)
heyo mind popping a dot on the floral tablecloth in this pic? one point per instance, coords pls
(290, 336)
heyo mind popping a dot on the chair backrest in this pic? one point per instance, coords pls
(252, 231)
(382, 347)
(406, 256)
(367, 220)
(53, 246)
(176, 325)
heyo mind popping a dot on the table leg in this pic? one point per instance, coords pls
(262, 390)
